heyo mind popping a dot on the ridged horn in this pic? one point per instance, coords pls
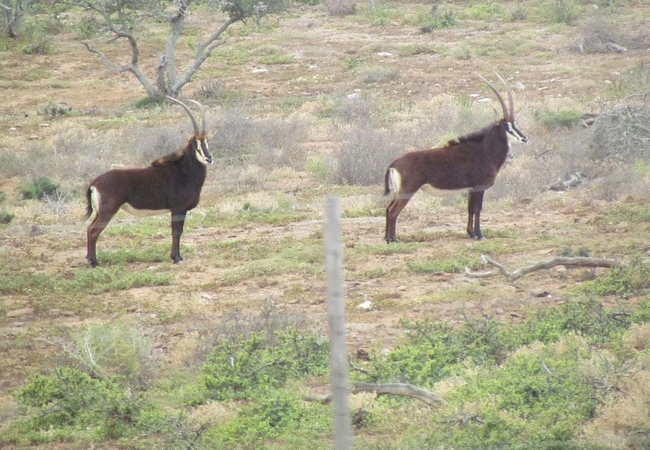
(503, 104)
(510, 99)
(189, 112)
(202, 114)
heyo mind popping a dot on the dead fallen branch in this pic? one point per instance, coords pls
(512, 275)
(402, 389)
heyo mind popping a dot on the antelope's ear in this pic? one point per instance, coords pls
(212, 132)
(497, 117)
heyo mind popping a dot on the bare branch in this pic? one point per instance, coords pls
(577, 261)
(401, 389)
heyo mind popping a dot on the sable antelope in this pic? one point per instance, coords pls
(468, 162)
(170, 184)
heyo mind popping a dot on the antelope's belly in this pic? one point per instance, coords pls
(144, 212)
(428, 189)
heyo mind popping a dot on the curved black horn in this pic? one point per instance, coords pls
(189, 112)
(202, 114)
(503, 104)
(510, 99)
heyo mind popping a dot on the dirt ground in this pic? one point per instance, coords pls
(526, 232)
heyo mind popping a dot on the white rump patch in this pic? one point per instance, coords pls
(394, 181)
(94, 198)
(144, 212)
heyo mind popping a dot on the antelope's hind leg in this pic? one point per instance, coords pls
(392, 211)
(104, 212)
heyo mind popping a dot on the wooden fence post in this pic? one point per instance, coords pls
(336, 318)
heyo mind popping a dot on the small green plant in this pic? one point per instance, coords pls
(238, 370)
(435, 21)
(71, 399)
(562, 11)
(520, 13)
(553, 120)
(455, 265)
(3, 196)
(6, 217)
(150, 102)
(88, 28)
(623, 280)
(39, 188)
(485, 11)
(42, 45)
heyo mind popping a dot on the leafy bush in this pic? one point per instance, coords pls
(553, 120)
(435, 20)
(562, 11)
(432, 351)
(39, 188)
(150, 102)
(70, 398)
(236, 370)
(537, 396)
(629, 279)
(278, 415)
(6, 217)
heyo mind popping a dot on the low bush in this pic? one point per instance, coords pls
(73, 400)
(39, 188)
(6, 217)
(553, 120)
(241, 369)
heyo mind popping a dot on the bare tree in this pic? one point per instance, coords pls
(13, 15)
(122, 18)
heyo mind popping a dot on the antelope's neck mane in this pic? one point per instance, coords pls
(172, 157)
(476, 136)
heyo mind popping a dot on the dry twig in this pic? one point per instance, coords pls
(513, 275)
(403, 389)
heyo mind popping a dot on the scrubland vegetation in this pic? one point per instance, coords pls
(224, 350)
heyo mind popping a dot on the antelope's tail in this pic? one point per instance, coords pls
(89, 203)
(392, 182)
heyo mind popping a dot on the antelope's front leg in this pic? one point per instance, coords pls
(178, 220)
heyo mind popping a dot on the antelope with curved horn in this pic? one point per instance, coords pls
(170, 184)
(469, 162)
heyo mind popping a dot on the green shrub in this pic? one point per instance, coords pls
(446, 265)
(562, 11)
(73, 399)
(553, 120)
(538, 395)
(269, 417)
(3, 196)
(113, 349)
(630, 279)
(39, 188)
(150, 102)
(237, 370)
(6, 217)
(435, 20)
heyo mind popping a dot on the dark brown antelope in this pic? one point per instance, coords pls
(469, 162)
(171, 184)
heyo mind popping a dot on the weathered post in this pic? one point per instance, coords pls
(336, 318)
